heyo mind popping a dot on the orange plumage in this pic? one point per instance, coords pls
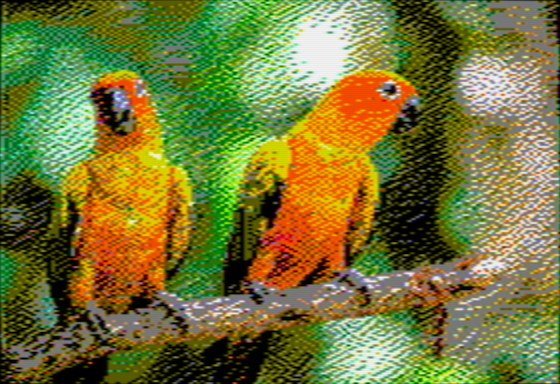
(308, 198)
(133, 207)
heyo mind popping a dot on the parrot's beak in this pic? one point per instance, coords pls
(123, 128)
(114, 110)
(409, 116)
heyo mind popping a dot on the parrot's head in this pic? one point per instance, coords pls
(124, 113)
(363, 107)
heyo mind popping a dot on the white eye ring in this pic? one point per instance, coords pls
(389, 90)
(121, 101)
(140, 88)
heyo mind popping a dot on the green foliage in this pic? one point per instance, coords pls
(9, 268)
(224, 78)
(444, 371)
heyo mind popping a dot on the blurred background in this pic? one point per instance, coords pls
(477, 177)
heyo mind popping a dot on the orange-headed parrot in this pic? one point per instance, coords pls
(307, 199)
(128, 208)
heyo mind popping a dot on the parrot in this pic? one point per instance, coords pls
(126, 209)
(307, 199)
(307, 203)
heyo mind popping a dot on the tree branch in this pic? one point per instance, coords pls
(170, 319)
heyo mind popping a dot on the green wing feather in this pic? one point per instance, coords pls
(259, 200)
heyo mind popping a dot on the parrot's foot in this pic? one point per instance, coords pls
(174, 307)
(431, 286)
(97, 320)
(357, 281)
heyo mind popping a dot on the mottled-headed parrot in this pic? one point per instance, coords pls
(127, 208)
(307, 199)
(307, 202)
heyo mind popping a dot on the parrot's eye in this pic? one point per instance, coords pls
(389, 90)
(120, 101)
(114, 109)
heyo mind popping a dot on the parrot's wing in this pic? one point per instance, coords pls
(74, 194)
(63, 269)
(259, 200)
(361, 218)
(180, 224)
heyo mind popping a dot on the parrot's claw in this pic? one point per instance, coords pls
(357, 281)
(259, 292)
(174, 305)
(97, 322)
(431, 286)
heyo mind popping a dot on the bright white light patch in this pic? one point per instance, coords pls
(296, 60)
(322, 42)
(489, 267)
(366, 350)
(492, 85)
(61, 116)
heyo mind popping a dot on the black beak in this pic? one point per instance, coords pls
(409, 116)
(123, 128)
(114, 109)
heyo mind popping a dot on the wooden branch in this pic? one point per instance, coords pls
(173, 320)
